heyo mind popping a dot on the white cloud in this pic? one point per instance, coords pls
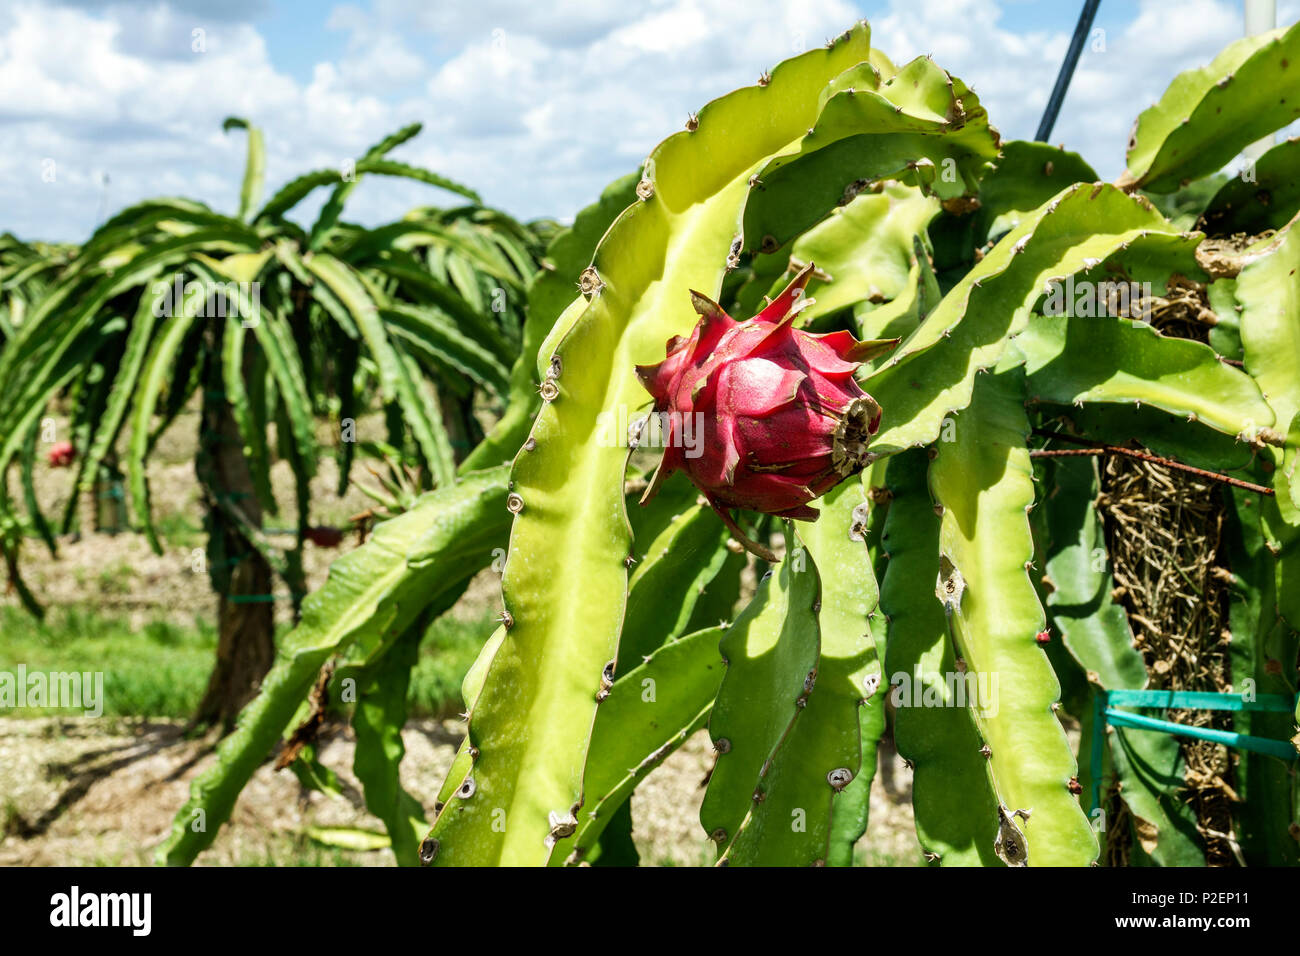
(377, 58)
(535, 105)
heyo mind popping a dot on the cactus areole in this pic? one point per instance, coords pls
(780, 416)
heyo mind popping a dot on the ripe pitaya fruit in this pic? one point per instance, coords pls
(782, 419)
(61, 454)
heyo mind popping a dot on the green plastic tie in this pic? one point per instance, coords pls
(1199, 700)
(1282, 749)
(1107, 713)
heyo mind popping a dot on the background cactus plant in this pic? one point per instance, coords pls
(996, 615)
(426, 311)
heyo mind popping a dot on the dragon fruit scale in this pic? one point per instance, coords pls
(782, 419)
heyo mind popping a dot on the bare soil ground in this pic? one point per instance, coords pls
(104, 791)
(99, 792)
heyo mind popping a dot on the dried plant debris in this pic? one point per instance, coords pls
(1164, 531)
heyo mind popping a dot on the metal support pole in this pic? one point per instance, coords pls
(1067, 69)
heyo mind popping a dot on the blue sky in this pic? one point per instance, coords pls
(535, 105)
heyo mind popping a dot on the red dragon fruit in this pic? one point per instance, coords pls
(783, 420)
(61, 454)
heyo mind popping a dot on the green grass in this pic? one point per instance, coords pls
(449, 649)
(180, 530)
(116, 579)
(161, 669)
(301, 851)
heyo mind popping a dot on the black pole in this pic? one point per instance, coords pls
(1067, 69)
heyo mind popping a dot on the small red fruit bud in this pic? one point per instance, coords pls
(61, 454)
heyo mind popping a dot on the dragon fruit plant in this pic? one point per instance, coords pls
(892, 422)
(265, 324)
